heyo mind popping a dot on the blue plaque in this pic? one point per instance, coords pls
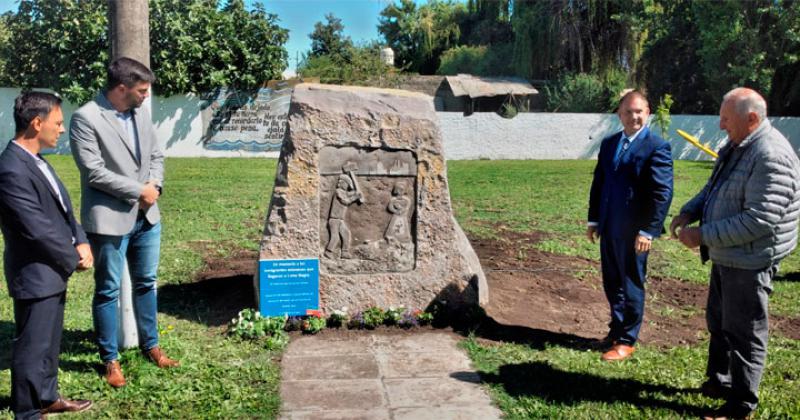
(288, 287)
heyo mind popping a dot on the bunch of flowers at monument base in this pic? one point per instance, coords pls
(272, 330)
(252, 326)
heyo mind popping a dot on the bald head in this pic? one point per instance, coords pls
(747, 100)
(741, 112)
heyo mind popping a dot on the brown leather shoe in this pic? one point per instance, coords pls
(67, 406)
(157, 356)
(618, 352)
(114, 374)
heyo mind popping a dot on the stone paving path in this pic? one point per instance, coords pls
(381, 376)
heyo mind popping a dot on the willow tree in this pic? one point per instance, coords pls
(554, 36)
(419, 35)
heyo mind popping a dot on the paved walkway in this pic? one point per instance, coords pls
(381, 376)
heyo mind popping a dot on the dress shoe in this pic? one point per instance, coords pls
(618, 351)
(67, 406)
(157, 356)
(712, 389)
(729, 412)
(603, 344)
(114, 374)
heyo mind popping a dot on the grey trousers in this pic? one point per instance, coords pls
(738, 323)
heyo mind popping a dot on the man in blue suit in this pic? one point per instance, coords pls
(631, 193)
(44, 245)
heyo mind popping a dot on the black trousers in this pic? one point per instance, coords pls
(34, 359)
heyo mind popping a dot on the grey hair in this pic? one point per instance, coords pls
(746, 101)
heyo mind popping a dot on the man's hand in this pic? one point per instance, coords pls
(148, 196)
(642, 244)
(86, 259)
(591, 233)
(690, 237)
(678, 222)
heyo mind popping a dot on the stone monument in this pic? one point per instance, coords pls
(362, 185)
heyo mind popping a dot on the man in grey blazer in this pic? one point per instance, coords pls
(122, 171)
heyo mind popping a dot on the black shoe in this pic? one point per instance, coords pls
(729, 411)
(712, 389)
(604, 344)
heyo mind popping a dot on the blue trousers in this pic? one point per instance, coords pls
(624, 275)
(142, 247)
(738, 323)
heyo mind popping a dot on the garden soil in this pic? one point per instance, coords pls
(531, 294)
(564, 295)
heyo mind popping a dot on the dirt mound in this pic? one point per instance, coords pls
(561, 294)
(551, 295)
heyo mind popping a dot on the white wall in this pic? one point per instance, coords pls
(571, 136)
(179, 125)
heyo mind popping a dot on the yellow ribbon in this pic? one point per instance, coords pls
(696, 143)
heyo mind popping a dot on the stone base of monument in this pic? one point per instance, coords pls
(362, 186)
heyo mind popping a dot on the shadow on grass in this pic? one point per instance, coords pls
(72, 341)
(541, 380)
(790, 277)
(532, 337)
(212, 302)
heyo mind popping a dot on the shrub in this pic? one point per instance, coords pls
(338, 318)
(276, 341)
(424, 318)
(576, 93)
(394, 315)
(251, 325)
(313, 324)
(585, 92)
(373, 317)
(479, 60)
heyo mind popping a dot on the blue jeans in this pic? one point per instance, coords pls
(142, 247)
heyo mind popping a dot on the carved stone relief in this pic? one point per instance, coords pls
(367, 210)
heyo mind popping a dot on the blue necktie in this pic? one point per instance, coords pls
(626, 142)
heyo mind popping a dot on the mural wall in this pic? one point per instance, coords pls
(235, 124)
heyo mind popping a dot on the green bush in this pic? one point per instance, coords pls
(251, 325)
(576, 93)
(373, 317)
(358, 65)
(478, 60)
(338, 318)
(394, 315)
(313, 324)
(585, 92)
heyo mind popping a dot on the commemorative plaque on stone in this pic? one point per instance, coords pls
(361, 187)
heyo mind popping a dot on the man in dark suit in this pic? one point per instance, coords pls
(44, 245)
(631, 193)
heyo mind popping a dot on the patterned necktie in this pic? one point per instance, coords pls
(626, 142)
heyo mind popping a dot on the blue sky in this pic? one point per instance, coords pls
(360, 19)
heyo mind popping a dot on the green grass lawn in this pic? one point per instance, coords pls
(555, 381)
(208, 203)
(218, 206)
